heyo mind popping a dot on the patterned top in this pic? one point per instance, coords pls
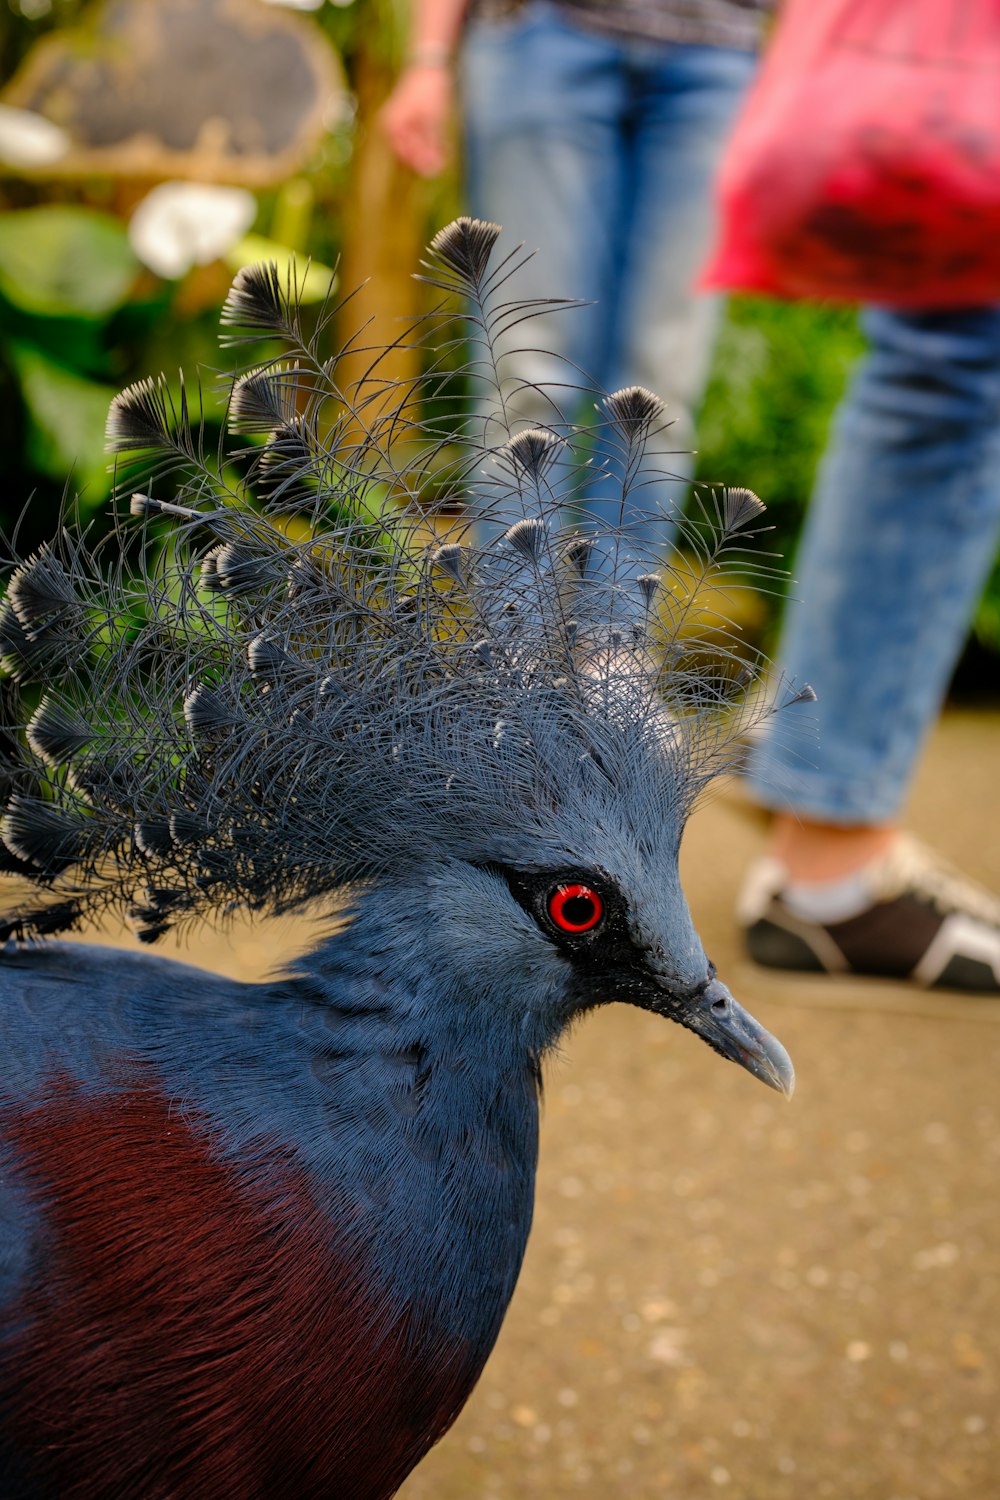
(717, 23)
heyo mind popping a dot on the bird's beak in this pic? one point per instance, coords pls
(733, 1032)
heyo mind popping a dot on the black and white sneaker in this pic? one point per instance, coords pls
(918, 919)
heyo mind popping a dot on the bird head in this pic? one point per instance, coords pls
(552, 858)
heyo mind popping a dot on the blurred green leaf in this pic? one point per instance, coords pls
(67, 417)
(60, 260)
(79, 343)
(314, 281)
(987, 621)
(778, 372)
(191, 344)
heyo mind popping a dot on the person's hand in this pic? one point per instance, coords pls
(417, 115)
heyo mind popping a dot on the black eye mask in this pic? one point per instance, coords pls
(580, 911)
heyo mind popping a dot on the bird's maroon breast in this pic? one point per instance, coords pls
(194, 1326)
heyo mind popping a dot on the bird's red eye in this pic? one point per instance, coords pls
(575, 908)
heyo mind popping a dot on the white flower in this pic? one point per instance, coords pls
(29, 140)
(183, 224)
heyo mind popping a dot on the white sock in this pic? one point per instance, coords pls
(832, 900)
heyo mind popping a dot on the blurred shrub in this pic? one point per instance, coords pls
(778, 372)
(79, 319)
(64, 272)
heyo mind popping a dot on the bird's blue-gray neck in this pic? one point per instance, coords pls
(431, 1093)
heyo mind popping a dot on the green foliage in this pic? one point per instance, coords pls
(60, 260)
(64, 272)
(79, 319)
(23, 22)
(65, 436)
(779, 370)
(988, 615)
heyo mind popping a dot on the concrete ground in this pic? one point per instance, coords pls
(729, 1295)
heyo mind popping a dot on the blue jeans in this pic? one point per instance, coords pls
(600, 154)
(899, 540)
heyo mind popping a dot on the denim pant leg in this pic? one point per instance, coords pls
(899, 540)
(542, 106)
(600, 153)
(682, 103)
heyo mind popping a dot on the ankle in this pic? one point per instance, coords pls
(820, 852)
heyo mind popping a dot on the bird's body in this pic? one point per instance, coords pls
(257, 1240)
(271, 1214)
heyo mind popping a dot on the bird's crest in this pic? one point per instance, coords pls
(315, 674)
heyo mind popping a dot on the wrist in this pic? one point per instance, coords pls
(434, 55)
